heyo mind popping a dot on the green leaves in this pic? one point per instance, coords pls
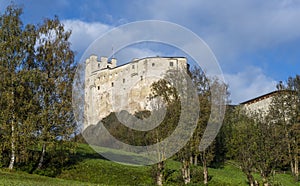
(36, 67)
(284, 116)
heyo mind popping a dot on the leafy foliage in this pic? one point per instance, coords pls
(36, 66)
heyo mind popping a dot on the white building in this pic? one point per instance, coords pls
(111, 88)
(260, 103)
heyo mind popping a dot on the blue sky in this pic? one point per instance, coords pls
(256, 42)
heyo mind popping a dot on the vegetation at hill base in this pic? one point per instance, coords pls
(92, 169)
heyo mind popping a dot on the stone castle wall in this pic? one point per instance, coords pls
(111, 88)
(261, 105)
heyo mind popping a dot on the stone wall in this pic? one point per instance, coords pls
(260, 105)
(111, 88)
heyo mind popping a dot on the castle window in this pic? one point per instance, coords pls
(134, 74)
(141, 78)
(153, 64)
(98, 87)
(123, 80)
(112, 84)
(132, 66)
(98, 65)
(171, 64)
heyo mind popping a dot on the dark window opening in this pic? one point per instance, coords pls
(112, 84)
(123, 80)
(153, 64)
(141, 77)
(98, 87)
(171, 64)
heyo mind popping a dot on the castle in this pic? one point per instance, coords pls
(111, 88)
(260, 103)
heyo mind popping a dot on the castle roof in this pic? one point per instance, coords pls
(259, 98)
(135, 60)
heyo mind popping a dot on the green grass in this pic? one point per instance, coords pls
(229, 175)
(96, 169)
(89, 168)
(9, 178)
(108, 173)
(113, 154)
(116, 174)
(285, 180)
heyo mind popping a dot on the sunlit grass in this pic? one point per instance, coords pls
(87, 167)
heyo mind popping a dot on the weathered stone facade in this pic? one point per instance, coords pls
(111, 88)
(260, 103)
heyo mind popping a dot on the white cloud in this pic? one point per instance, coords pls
(83, 33)
(237, 30)
(234, 27)
(231, 29)
(249, 84)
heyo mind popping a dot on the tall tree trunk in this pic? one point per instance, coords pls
(290, 154)
(205, 170)
(159, 174)
(196, 160)
(191, 159)
(13, 140)
(13, 148)
(292, 164)
(42, 156)
(205, 173)
(265, 180)
(185, 170)
(251, 179)
(296, 171)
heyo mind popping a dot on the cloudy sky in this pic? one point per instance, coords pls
(256, 42)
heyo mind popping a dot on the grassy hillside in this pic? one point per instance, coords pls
(94, 168)
(89, 168)
(231, 175)
(97, 170)
(20, 179)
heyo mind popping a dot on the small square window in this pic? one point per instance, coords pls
(171, 64)
(153, 64)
